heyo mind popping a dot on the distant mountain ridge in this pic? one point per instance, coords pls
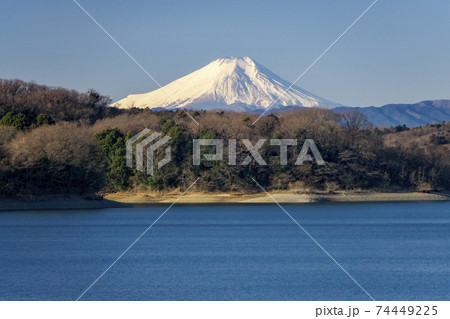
(244, 85)
(237, 84)
(411, 115)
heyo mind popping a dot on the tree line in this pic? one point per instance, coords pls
(54, 140)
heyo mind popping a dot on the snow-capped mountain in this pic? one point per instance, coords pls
(239, 84)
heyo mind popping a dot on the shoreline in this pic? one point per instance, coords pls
(282, 197)
(124, 200)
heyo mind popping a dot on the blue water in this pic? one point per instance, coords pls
(396, 251)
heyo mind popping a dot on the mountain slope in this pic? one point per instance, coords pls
(239, 84)
(411, 115)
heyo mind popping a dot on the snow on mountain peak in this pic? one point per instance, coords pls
(236, 83)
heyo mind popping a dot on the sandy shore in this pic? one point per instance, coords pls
(280, 197)
(117, 200)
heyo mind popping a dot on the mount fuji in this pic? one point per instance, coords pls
(238, 84)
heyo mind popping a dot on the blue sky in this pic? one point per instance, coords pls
(398, 53)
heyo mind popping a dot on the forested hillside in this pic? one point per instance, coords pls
(54, 140)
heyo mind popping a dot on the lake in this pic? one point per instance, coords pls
(396, 251)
